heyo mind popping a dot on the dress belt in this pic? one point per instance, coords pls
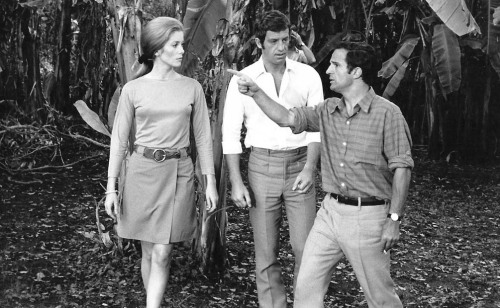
(160, 155)
(297, 151)
(355, 201)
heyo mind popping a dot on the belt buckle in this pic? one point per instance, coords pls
(159, 155)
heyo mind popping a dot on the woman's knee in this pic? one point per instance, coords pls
(147, 250)
(162, 254)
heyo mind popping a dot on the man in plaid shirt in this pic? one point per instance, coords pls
(366, 168)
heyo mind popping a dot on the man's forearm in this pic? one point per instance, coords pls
(276, 112)
(233, 165)
(400, 185)
(313, 153)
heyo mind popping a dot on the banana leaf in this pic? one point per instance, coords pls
(325, 50)
(493, 37)
(456, 15)
(495, 62)
(496, 16)
(493, 43)
(200, 24)
(91, 118)
(446, 52)
(393, 85)
(390, 66)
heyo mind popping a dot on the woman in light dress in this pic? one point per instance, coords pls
(158, 207)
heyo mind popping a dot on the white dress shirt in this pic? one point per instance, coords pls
(300, 86)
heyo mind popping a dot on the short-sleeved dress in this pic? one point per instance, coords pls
(158, 198)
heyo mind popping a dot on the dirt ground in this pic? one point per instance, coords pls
(448, 255)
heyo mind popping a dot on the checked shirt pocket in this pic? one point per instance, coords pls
(369, 151)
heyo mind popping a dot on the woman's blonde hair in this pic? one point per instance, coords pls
(154, 36)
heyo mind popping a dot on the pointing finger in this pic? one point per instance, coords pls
(234, 72)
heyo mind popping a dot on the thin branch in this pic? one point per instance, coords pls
(364, 11)
(36, 150)
(218, 210)
(57, 167)
(24, 182)
(14, 127)
(6, 169)
(369, 22)
(77, 136)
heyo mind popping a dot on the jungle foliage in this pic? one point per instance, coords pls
(441, 67)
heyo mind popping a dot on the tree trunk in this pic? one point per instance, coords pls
(92, 67)
(210, 244)
(431, 109)
(62, 68)
(486, 110)
(126, 26)
(33, 97)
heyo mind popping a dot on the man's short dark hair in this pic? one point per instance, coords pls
(271, 21)
(361, 55)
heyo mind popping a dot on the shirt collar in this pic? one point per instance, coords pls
(364, 104)
(260, 69)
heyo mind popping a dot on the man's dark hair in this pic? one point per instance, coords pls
(361, 55)
(271, 21)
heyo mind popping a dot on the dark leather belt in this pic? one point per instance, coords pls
(354, 201)
(160, 155)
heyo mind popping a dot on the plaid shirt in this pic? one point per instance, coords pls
(360, 152)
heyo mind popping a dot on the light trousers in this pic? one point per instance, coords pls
(271, 175)
(353, 231)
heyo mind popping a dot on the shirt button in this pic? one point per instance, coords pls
(344, 143)
(348, 122)
(342, 184)
(341, 164)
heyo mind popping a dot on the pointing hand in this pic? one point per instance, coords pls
(246, 85)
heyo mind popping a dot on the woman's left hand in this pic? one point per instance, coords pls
(211, 195)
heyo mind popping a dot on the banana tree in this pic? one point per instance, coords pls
(449, 32)
(200, 24)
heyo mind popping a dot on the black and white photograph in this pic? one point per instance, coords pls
(250, 153)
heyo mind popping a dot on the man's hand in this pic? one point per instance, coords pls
(390, 234)
(245, 84)
(240, 195)
(304, 181)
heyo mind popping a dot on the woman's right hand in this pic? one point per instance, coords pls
(297, 38)
(111, 205)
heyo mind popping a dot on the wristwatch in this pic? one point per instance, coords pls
(394, 216)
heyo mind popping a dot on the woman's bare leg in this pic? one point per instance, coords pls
(157, 273)
(147, 251)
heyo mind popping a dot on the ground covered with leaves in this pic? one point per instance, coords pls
(50, 255)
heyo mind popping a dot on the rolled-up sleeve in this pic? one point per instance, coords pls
(397, 142)
(306, 119)
(314, 98)
(232, 120)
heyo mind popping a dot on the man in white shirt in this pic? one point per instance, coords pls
(281, 168)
